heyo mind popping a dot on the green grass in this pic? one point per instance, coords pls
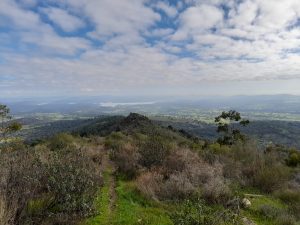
(133, 209)
(254, 214)
(102, 204)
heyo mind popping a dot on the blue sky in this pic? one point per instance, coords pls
(149, 47)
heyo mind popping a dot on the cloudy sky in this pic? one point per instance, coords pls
(149, 47)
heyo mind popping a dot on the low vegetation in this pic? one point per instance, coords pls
(132, 171)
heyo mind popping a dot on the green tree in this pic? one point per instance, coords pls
(6, 125)
(293, 159)
(228, 124)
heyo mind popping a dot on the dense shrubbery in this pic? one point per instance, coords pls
(153, 151)
(72, 182)
(115, 141)
(38, 182)
(271, 178)
(182, 174)
(61, 141)
(20, 181)
(127, 159)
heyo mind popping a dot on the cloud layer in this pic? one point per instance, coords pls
(111, 46)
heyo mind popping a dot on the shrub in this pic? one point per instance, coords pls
(73, 183)
(153, 151)
(127, 159)
(20, 179)
(293, 159)
(181, 175)
(216, 191)
(177, 186)
(115, 141)
(271, 178)
(149, 184)
(216, 148)
(61, 141)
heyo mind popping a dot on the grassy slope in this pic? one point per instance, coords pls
(254, 212)
(131, 208)
(102, 204)
(134, 209)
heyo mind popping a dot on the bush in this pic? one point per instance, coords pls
(177, 186)
(115, 141)
(218, 149)
(61, 141)
(271, 178)
(73, 183)
(293, 159)
(181, 175)
(216, 191)
(20, 173)
(149, 184)
(153, 151)
(36, 183)
(127, 159)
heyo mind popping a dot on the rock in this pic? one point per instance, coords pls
(246, 203)
(246, 221)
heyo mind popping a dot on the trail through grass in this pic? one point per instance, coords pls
(103, 203)
(118, 203)
(133, 209)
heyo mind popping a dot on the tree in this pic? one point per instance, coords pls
(7, 126)
(227, 125)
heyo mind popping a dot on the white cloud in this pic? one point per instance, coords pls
(255, 40)
(113, 17)
(169, 10)
(201, 17)
(28, 3)
(31, 30)
(63, 19)
(197, 19)
(21, 18)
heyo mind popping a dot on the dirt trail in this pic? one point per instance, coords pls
(108, 165)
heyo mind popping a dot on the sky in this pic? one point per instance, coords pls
(149, 47)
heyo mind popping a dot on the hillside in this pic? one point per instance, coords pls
(264, 131)
(130, 170)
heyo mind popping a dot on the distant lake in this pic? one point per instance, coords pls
(114, 104)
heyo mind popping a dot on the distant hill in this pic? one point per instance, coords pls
(269, 131)
(285, 133)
